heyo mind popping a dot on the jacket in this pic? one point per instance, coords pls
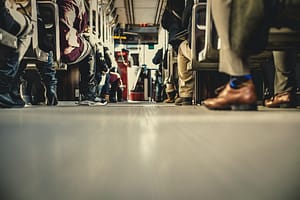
(73, 22)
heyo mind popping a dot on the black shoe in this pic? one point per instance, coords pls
(6, 101)
(16, 97)
(51, 96)
(93, 101)
(183, 101)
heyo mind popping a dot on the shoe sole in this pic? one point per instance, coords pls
(243, 107)
(283, 105)
(183, 104)
(91, 103)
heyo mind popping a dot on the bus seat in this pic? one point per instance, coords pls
(49, 13)
(204, 45)
(204, 49)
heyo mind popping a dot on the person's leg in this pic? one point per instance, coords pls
(88, 83)
(284, 81)
(48, 75)
(9, 66)
(230, 62)
(87, 77)
(285, 63)
(186, 78)
(239, 93)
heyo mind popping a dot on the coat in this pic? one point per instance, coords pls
(73, 22)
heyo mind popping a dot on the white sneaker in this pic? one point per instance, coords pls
(95, 102)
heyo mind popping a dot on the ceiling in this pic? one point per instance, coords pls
(139, 11)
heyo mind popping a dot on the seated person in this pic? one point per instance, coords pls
(20, 26)
(115, 82)
(240, 38)
(186, 78)
(75, 49)
(102, 74)
(171, 21)
(113, 88)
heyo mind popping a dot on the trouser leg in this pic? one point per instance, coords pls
(9, 66)
(113, 91)
(186, 78)
(9, 85)
(285, 63)
(48, 75)
(230, 62)
(87, 72)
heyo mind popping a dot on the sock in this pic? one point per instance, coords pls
(235, 81)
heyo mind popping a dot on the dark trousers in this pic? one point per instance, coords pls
(9, 68)
(87, 85)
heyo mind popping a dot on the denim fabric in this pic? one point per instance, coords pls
(47, 71)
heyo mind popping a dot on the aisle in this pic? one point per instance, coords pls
(148, 152)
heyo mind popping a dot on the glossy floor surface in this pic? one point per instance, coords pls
(148, 152)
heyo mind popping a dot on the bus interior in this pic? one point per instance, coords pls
(138, 147)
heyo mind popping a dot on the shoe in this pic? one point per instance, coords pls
(182, 101)
(16, 97)
(171, 97)
(169, 100)
(242, 98)
(51, 97)
(282, 100)
(6, 101)
(93, 102)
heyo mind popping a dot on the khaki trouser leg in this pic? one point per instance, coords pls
(284, 71)
(230, 62)
(186, 78)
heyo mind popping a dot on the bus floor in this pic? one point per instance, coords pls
(147, 151)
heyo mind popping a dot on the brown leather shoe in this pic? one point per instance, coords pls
(243, 98)
(282, 100)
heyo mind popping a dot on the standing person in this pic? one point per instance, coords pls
(284, 81)
(75, 49)
(20, 26)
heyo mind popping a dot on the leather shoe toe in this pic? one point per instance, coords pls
(242, 98)
(281, 100)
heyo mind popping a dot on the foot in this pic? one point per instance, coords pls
(169, 100)
(242, 98)
(93, 102)
(281, 100)
(7, 101)
(51, 99)
(182, 101)
(171, 97)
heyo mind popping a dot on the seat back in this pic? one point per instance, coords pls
(49, 12)
(204, 39)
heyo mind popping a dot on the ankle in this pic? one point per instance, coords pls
(236, 81)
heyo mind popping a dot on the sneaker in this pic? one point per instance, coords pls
(182, 101)
(93, 102)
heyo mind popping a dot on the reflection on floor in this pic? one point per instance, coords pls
(148, 151)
